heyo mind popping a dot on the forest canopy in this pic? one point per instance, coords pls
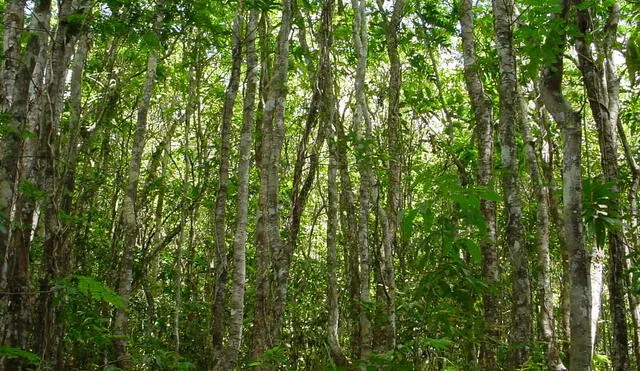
(319, 184)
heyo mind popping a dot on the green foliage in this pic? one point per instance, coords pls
(600, 210)
(273, 357)
(632, 55)
(97, 291)
(31, 190)
(12, 353)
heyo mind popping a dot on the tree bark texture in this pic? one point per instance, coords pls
(270, 244)
(327, 117)
(128, 212)
(219, 216)
(503, 12)
(394, 145)
(545, 289)
(360, 118)
(482, 108)
(244, 165)
(579, 260)
(603, 100)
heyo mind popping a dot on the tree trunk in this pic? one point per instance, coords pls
(128, 212)
(56, 257)
(394, 145)
(271, 249)
(220, 225)
(360, 117)
(569, 122)
(13, 22)
(603, 101)
(509, 101)
(327, 118)
(545, 290)
(481, 105)
(244, 164)
(15, 239)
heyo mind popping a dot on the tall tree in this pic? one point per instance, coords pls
(270, 244)
(394, 146)
(363, 137)
(244, 165)
(602, 88)
(569, 122)
(503, 12)
(219, 216)
(482, 108)
(545, 284)
(129, 213)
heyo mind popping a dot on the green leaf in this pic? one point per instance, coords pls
(408, 218)
(98, 291)
(12, 353)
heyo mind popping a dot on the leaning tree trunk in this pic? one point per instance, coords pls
(603, 101)
(509, 101)
(128, 212)
(481, 105)
(569, 122)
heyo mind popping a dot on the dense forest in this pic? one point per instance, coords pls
(319, 184)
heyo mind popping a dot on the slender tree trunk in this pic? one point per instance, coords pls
(220, 225)
(302, 186)
(271, 249)
(634, 302)
(348, 226)
(128, 209)
(555, 212)
(360, 117)
(244, 165)
(569, 122)
(545, 289)
(327, 118)
(597, 270)
(15, 239)
(394, 144)
(261, 330)
(55, 259)
(509, 101)
(603, 101)
(481, 105)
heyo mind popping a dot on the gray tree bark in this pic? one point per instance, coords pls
(271, 249)
(508, 92)
(327, 118)
(602, 93)
(545, 289)
(219, 217)
(579, 260)
(360, 117)
(244, 165)
(394, 147)
(128, 210)
(482, 107)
